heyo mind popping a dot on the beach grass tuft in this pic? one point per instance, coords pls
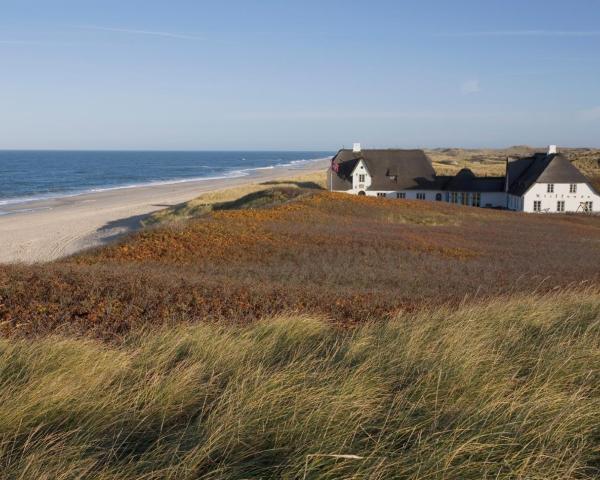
(501, 389)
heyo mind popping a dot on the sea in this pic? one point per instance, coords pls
(27, 176)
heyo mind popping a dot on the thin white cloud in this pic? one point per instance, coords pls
(525, 33)
(33, 42)
(591, 114)
(133, 31)
(470, 87)
(354, 115)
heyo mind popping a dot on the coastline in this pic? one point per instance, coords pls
(48, 229)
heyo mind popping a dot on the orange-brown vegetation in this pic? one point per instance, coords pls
(349, 258)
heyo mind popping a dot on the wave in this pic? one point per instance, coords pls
(238, 173)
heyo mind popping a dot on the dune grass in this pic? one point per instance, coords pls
(504, 389)
(235, 197)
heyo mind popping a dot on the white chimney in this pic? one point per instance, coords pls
(552, 150)
(356, 148)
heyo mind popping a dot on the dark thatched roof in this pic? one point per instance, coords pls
(389, 169)
(541, 168)
(466, 181)
(393, 170)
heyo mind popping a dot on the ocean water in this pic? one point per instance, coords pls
(35, 175)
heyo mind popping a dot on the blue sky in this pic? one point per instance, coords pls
(298, 74)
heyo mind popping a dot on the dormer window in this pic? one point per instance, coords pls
(550, 188)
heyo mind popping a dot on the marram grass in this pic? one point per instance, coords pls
(505, 389)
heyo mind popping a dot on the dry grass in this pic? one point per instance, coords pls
(491, 162)
(507, 389)
(231, 195)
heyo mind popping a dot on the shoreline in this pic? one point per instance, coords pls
(48, 229)
(11, 205)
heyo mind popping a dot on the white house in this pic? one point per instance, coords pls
(545, 182)
(548, 183)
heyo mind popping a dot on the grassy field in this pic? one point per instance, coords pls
(503, 389)
(282, 331)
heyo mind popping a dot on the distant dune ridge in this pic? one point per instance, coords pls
(491, 161)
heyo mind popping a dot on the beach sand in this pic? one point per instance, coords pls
(45, 230)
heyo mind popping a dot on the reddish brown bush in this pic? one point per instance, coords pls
(351, 258)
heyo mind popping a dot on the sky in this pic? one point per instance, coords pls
(298, 75)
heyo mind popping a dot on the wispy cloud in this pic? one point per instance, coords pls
(133, 31)
(525, 33)
(33, 42)
(591, 114)
(356, 115)
(470, 87)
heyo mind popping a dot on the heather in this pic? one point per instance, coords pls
(347, 258)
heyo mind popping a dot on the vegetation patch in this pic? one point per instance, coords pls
(351, 259)
(196, 208)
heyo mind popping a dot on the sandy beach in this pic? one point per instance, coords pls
(40, 231)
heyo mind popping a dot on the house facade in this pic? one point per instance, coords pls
(542, 183)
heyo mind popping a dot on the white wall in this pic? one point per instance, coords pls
(360, 169)
(491, 199)
(539, 192)
(408, 194)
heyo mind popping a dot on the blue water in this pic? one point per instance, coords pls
(35, 175)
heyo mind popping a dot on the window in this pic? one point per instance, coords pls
(454, 197)
(587, 207)
(361, 178)
(560, 206)
(420, 196)
(401, 195)
(537, 206)
(464, 198)
(550, 188)
(573, 188)
(381, 194)
(476, 199)
(438, 197)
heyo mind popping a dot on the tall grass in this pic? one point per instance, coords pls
(505, 389)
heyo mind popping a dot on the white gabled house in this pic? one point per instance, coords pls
(546, 182)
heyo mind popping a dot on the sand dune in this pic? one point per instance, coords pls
(46, 230)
